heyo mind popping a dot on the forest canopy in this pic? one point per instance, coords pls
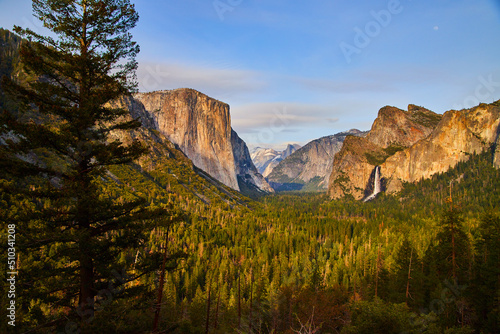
(111, 239)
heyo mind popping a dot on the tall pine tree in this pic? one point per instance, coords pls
(485, 290)
(56, 150)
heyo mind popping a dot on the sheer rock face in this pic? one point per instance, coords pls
(459, 134)
(393, 130)
(201, 127)
(351, 169)
(245, 169)
(311, 163)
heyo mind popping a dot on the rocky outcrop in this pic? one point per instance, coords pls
(201, 127)
(174, 174)
(309, 168)
(246, 172)
(266, 159)
(459, 134)
(352, 168)
(400, 128)
(393, 130)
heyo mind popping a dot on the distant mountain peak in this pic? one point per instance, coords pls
(309, 167)
(265, 159)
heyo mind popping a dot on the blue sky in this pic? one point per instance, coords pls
(293, 71)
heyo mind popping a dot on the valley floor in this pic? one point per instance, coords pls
(300, 263)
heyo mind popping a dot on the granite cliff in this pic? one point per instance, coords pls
(394, 130)
(309, 168)
(413, 145)
(459, 134)
(165, 171)
(246, 172)
(402, 128)
(201, 127)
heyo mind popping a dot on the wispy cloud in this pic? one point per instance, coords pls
(265, 124)
(214, 81)
(282, 116)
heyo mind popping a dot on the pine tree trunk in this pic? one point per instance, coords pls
(409, 278)
(87, 291)
(377, 272)
(453, 255)
(216, 325)
(87, 294)
(207, 324)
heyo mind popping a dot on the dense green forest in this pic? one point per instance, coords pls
(169, 249)
(299, 262)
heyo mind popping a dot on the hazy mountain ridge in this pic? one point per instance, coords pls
(309, 168)
(246, 172)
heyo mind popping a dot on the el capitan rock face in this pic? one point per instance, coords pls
(171, 170)
(201, 127)
(393, 130)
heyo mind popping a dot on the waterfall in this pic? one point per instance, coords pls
(376, 182)
(376, 185)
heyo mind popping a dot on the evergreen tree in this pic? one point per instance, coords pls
(407, 278)
(58, 150)
(448, 264)
(485, 290)
(452, 251)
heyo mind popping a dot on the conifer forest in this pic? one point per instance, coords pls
(107, 227)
